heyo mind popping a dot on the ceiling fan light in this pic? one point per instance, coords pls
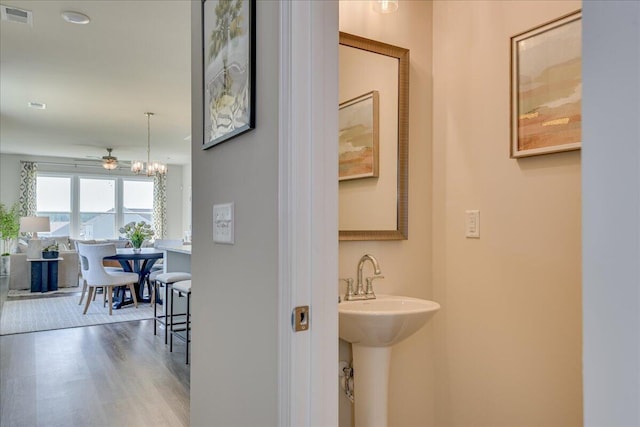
(110, 164)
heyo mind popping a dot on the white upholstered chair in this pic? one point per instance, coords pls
(84, 282)
(95, 275)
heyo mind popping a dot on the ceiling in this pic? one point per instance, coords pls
(97, 80)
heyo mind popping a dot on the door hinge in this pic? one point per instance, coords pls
(300, 318)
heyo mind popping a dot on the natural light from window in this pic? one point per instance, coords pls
(90, 208)
(97, 208)
(53, 199)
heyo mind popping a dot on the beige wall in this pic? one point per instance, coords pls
(235, 326)
(509, 334)
(406, 265)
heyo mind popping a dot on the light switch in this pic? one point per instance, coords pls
(472, 224)
(223, 223)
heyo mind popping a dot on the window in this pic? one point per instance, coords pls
(53, 199)
(137, 201)
(97, 208)
(93, 207)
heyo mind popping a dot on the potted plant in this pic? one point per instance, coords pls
(137, 233)
(51, 251)
(9, 230)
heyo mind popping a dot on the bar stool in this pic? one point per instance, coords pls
(167, 280)
(182, 288)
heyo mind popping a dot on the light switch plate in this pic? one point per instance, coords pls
(472, 224)
(223, 223)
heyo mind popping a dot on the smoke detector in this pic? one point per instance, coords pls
(14, 14)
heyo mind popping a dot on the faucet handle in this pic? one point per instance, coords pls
(369, 292)
(350, 292)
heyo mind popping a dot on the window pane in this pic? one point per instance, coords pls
(53, 194)
(137, 217)
(97, 226)
(137, 196)
(97, 195)
(60, 224)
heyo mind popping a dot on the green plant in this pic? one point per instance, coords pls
(137, 232)
(51, 248)
(9, 225)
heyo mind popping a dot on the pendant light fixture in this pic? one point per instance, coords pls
(384, 6)
(153, 168)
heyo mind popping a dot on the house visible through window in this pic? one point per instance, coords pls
(93, 207)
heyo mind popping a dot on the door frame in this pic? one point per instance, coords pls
(308, 212)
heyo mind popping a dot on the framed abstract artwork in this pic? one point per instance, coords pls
(358, 141)
(228, 58)
(546, 88)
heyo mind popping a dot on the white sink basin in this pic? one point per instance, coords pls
(384, 321)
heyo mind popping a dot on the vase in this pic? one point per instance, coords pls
(50, 255)
(136, 250)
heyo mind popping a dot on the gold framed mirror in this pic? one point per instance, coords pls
(373, 206)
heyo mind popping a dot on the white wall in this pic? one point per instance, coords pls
(10, 184)
(235, 319)
(509, 333)
(611, 208)
(9, 178)
(406, 264)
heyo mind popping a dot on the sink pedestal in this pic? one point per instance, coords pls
(373, 327)
(370, 385)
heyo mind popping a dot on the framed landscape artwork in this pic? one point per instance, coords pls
(358, 123)
(546, 88)
(228, 43)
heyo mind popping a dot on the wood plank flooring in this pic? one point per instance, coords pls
(108, 375)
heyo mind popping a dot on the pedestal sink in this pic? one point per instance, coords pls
(372, 327)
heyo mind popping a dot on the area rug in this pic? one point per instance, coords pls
(27, 292)
(42, 314)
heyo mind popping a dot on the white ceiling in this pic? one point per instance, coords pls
(97, 80)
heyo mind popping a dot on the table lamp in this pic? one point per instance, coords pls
(34, 224)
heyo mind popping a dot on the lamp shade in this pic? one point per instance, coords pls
(34, 224)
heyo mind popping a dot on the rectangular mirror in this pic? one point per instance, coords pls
(374, 139)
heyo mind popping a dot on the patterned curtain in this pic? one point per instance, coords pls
(160, 205)
(28, 185)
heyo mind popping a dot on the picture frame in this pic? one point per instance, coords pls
(359, 135)
(228, 69)
(546, 88)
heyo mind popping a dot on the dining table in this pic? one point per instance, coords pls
(137, 261)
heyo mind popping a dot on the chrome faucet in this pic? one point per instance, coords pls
(360, 292)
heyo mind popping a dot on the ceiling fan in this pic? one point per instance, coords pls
(109, 162)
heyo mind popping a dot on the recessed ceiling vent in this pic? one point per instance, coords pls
(14, 14)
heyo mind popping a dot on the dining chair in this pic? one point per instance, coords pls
(84, 282)
(96, 275)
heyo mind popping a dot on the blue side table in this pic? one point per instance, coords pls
(44, 274)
